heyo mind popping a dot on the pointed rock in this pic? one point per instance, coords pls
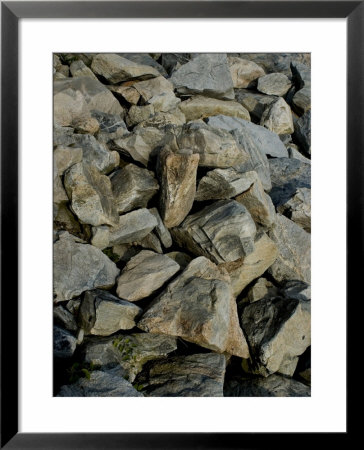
(298, 208)
(162, 232)
(277, 118)
(243, 71)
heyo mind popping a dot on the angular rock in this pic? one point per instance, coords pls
(217, 148)
(294, 246)
(86, 125)
(262, 288)
(145, 59)
(126, 91)
(144, 274)
(173, 61)
(301, 73)
(135, 146)
(112, 126)
(254, 102)
(65, 157)
(277, 118)
(164, 102)
(181, 258)
(295, 154)
(64, 318)
(302, 132)
(79, 267)
(223, 184)
(161, 120)
(132, 226)
(102, 314)
(64, 343)
(199, 375)
(150, 242)
(178, 184)
(100, 236)
(278, 331)
(198, 107)
(243, 71)
(115, 68)
(198, 306)
(296, 289)
(272, 386)
(59, 193)
(161, 230)
(139, 114)
(153, 87)
(298, 208)
(274, 84)
(79, 69)
(90, 194)
(302, 100)
(206, 74)
(287, 175)
(126, 354)
(100, 384)
(62, 136)
(63, 219)
(277, 62)
(73, 306)
(133, 187)
(245, 270)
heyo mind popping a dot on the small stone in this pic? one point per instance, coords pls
(262, 288)
(127, 92)
(298, 208)
(100, 237)
(278, 118)
(153, 87)
(198, 107)
(301, 101)
(64, 343)
(243, 71)
(132, 226)
(274, 84)
(161, 230)
(64, 318)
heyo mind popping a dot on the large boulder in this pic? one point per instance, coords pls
(243, 71)
(274, 84)
(277, 117)
(199, 107)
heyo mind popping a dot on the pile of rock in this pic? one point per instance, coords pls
(182, 224)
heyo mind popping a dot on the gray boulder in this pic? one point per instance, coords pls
(274, 84)
(302, 132)
(298, 208)
(63, 318)
(254, 102)
(64, 343)
(132, 226)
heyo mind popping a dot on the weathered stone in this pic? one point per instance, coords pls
(206, 74)
(262, 288)
(136, 147)
(100, 384)
(79, 267)
(154, 87)
(137, 114)
(243, 71)
(302, 100)
(199, 307)
(302, 132)
(62, 136)
(63, 219)
(73, 306)
(278, 117)
(102, 314)
(150, 242)
(287, 175)
(178, 184)
(254, 102)
(223, 184)
(111, 126)
(100, 236)
(86, 125)
(161, 120)
(90, 194)
(274, 84)
(272, 386)
(64, 318)
(295, 154)
(199, 107)
(65, 157)
(79, 69)
(144, 274)
(181, 258)
(161, 230)
(164, 102)
(217, 148)
(145, 59)
(64, 343)
(278, 331)
(115, 68)
(223, 232)
(133, 187)
(126, 91)
(132, 226)
(245, 270)
(126, 354)
(258, 203)
(298, 208)
(277, 62)
(199, 375)
(173, 61)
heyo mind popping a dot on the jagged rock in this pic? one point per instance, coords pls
(181, 258)
(79, 267)
(257, 202)
(112, 126)
(254, 102)
(90, 194)
(79, 69)
(153, 87)
(137, 114)
(278, 331)
(96, 154)
(145, 59)
(136, 147)
(64, 318)
(298, 208)
(302, 132)
(262, 288)
(62, 136)
(302, 100)
(64, 343)
(294, 153)
(217, 148)
(199, 375)
(133, 187)
(245, 270)
(277, 117)
(164, 102)
(277, 62)
(161, 120)
(274, 84)
(223, 184)
(272, 386)
(206, 74)
(65, 157)
(173, 61)
(296, 289)
(87, 125)
(287, 175)
(126, 91)
(132, 227)
(63, 219)
(162, 232)
(115, 68)
(198, 306)
(144, 274)
(150, 242)
(73, 306)
(243, 71)
(294, 246)
(223, 232)
(198, 107)
(178, 184)
(127, 354)
(100, 384)
(102, 314)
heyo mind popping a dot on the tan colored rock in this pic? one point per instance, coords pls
(135, 146)
(277, 117)
(79, 69)
(254, 102)
(261, 289)
(163, 119)
(153, 87)
(130, 94)
(243, 71)
(139, 114)
(274, 84)
(87, 125)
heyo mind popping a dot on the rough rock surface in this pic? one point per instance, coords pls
(132, 226)
(274, 84)
(298, 208)
(145, 273)
(243, 71)
(64, 318)
(161, 230)
(199, 307)
(302, 132)
(277, 117)
(64, 343)
(254, 102)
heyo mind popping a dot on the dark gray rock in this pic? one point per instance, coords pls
(64, 318)
(173, 61)
(298, 208)
(161, 230)
(302, 132)
(254, 102)
(64, 343)
(277, 62)
(145, 60)
(112, 126)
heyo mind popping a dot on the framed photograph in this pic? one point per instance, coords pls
(171, 224)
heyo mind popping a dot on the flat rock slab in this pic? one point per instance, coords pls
(144, 274)
(80, 267)
(161, 230)
(102, 314)
(277, 117)
(198, 306)
(274, 84)
(133, 226)
(100, 384)
(206, 74)
(223, 232)
(199, 375)
(298, 208)
(64, 343)
(278, 331)
(243, 71)
(294, 246)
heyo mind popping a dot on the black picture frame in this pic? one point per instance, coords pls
(11, 12)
